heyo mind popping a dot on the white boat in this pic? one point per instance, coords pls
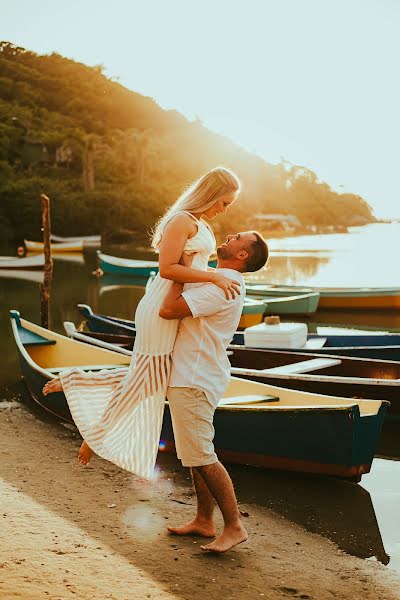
(89, 239)
(56, 247)
(24, 262)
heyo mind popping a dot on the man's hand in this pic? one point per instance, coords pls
(187, 259)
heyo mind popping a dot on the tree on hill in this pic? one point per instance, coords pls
(111, 158)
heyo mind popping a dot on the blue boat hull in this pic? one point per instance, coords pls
(107, 267)
(335, 442)
(34, 380)
(338, 443)
(127, 271)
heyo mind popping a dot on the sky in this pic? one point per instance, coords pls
(315, 82)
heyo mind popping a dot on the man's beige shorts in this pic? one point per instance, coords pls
(192, 417)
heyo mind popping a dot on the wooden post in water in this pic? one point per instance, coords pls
(48, 264)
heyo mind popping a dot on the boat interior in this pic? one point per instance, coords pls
(290, 363)
(245, 393)
(54, 352)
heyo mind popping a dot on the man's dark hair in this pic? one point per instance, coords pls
(258, 254)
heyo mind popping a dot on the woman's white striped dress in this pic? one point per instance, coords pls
(119, 412)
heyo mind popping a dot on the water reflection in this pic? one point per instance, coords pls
(33, 276)
(291, 270)
(339, 510)
(119, 295)
(75, 257)
(363, 257)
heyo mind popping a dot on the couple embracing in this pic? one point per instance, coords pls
(184, 323)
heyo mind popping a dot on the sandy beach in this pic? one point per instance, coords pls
(98, 532)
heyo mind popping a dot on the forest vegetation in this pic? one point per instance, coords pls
(111, 159)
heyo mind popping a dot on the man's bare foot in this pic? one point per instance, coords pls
(195, 527)
(230, 537)
(85, 453)
(54, 385)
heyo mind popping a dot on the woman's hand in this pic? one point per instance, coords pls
(230, 287)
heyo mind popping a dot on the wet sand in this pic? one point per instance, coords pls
(98, 532)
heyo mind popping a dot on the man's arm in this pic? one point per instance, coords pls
(174, 306)
(197, 301)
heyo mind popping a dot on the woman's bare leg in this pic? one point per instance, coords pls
(85, 453)
(55, 385)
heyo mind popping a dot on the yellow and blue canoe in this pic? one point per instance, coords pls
(255, 424)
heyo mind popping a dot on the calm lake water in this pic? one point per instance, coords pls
(362, 519)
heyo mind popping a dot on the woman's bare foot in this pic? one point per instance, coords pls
(195, 527)
(54, 385)
(85, 453)
(230, 537)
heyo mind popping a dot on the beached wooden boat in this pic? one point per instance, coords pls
(364, 320)
(316, 373)
(360, 298)
(129, 267)
(298, 304)
(43, 353)
(105, 324)
(321, 374)
(86, 239)
(252, 314)
(109, 341)
(381, 346)
(255, 424)
(25, 262)
(365, 298)
(59, 247)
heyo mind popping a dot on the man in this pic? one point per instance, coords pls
(200, 374)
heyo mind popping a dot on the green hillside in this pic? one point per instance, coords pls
(112, 159)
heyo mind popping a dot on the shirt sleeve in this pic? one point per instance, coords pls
(208, 299)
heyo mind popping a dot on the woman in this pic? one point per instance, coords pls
(119, 412)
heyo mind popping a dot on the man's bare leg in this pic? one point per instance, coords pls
(220, 485)
(203, 523)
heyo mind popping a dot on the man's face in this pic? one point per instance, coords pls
(235, 243)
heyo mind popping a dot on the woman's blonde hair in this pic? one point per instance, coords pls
(199, 197)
